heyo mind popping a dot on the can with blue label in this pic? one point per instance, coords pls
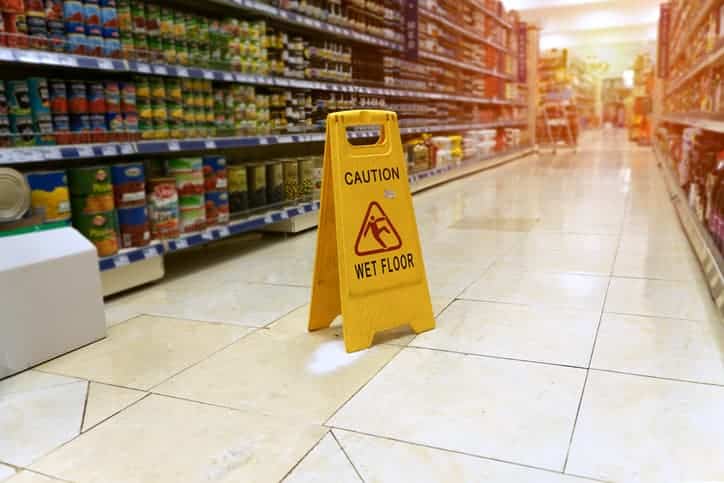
(129, 184)
(75, 43)
(80, 128)
(74, 17)
(92, 12)
(96, 97)
(94, 45)
(49, 194)
(135, 229)
(217, 207)
(112, 48)
(61, 129)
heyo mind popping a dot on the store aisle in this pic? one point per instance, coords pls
(575, 340)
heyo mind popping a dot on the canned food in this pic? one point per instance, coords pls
(112, 48)
(184, 165)
(134, 226)
(112, 96)
(90, 180)
(114, 121)
(74, 16)
(75, 43)
(21, 127)
(192, 219)
(189, 184)
(238, 194)
(61, 129)
(80, 127)
(18, 97)
(217, 207)
(96, 97)
(58, 96)
(77, 97)
(290, 171)
(94, 45)
(49, 194)
(131, 122)
(163, 208)
(14, 195)
(101, 229)
(91, 13)
(128, 97)
(308, 177)
(274, 182)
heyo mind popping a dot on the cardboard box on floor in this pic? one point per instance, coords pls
(50, 297)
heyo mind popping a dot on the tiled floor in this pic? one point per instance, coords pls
(576, 341)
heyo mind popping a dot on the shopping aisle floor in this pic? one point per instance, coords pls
(575, 340)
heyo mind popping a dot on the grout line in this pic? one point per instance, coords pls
(294, 466)
(458, 452)
(144, 396)
(633, 314)
(85, 406)
(359, 475)
(660, 378)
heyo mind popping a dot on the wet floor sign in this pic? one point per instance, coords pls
(368, 265)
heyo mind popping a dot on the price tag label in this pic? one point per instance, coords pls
(284, 215)
(30, 155)
(263, 141)
(109, 150)
(281, 82)
(174, 146)
(181, 243)
(210, 144)
(224, 232)
(6, 54)
(143, 67)
(228, 77)
(27, 56)
(52, 153)
(209, 75)
(126, 148)
(105, 64)
(207, 235)
(182, 71)
(121, 261)
(160, 70)
(149, 253)
(268, 219)
(284, 139)
(85, 152)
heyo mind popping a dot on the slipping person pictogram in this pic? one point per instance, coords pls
(377, 233)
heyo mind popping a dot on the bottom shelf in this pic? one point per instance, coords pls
(706, 251)
(120, 267)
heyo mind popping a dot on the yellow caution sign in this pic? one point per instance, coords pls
(368, 265)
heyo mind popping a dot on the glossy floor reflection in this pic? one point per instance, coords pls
(576, 341)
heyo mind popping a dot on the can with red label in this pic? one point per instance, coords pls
(61, 129)
(58, 96)
(113, 96)
(98, 127)
(96, 98)
(77, 97)
(79, 128)
(16, 29)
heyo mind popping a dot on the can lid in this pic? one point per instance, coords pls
(14, 195)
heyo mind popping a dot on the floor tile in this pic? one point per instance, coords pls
(561, 261)
(450, 279)
(660, 298)
(681, 265)
(381, 460)
(6, 472)
(32, 477)
(38, 412)
(145, 351)
(166, 440)
(542, 334)
(670, 348)
(640, 429)
(326, 463)
(215, 300)
(580, 292)
(286, 371)
(513, 411)
(104, 401)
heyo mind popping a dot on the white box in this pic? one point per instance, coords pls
(50, 297)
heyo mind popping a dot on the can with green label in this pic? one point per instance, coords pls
(101, 228)
(290, 171)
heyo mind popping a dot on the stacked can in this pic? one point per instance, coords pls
(256, 182)
(179, 38)
(19, 113)
(153, 32)
(74, 23)
(190, 187)
(92, 204)
(175, 108)
(129, 109)
(143, 107)
(216, 187)
(79, 111)
(55, 25)
(238, 189)
(93, 28)
(49, 194)
(109, 29)
(138, 20)
(163, 208)
(274, 182)
(125, 28)
(159, 109)
(5, 137)
(14, 23)
(310, 177)
(129, 193)
(290, 173)
(97, 111)
(40, 111)
(37, 24)
(168, 31)
(59, 111)
(223, 111)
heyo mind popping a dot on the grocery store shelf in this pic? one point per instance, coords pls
(706, 251)
(463, 65)
(463, 31)
(10, 156)
(418, 181)
(683, 40)
(708, 60)
(695, 120)
(41, 58)
(298, 20)
(492, 14)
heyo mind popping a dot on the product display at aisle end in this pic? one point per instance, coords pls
(690, 136)
(153, 128)
(558, 120)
